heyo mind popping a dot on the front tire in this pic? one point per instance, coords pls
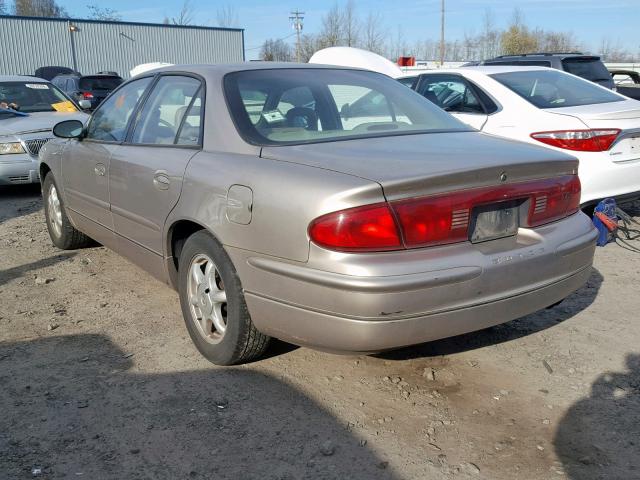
(63, 235)
(213, 304)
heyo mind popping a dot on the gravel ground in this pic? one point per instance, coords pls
(98, 379)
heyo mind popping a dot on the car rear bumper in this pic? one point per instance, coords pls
(20, 169)
(340, 334)
(603, 178)
(373, 302)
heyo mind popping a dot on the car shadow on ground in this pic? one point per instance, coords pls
(506, 332)
(21, 271)
(75, 405)
(599, 436)
(28, 197)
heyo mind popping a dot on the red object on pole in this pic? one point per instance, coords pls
(407, 61)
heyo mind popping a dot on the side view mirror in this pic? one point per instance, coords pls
(69, 129)
(84, 104)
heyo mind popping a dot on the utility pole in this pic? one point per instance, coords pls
(442, 35)
(296, 22)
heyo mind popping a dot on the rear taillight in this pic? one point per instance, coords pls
(595, 140)
(370, 228)
(440, 219)
(87, 95)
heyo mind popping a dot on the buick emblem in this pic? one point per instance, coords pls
(503, 177)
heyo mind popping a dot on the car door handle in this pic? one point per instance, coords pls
(100, 169)
(161, 181)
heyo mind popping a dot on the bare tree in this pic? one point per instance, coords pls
(275, 51)
(309, 44)
(331, 33)
(351, 24)
(39, 8)
(227, 16)
(373, 33)
(185, 17)
(103, 13)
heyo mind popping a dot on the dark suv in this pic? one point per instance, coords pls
(588, 67)
(94, 88)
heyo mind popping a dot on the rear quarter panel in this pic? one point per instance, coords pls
(286, 198)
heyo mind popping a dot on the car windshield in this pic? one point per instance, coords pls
(554, 89)
(589, 68)
(34, 97)
(293, 106)
(99, 83)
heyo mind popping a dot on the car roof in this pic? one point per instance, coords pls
(21, 78)
(524, 56)
(224, 68)
(488, 69)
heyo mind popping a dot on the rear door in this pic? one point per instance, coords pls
(456, 95)
(86, 165)
(147, 171)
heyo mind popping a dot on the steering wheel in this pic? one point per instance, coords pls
(302, 117)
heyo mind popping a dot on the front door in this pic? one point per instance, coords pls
(87, 161)
(147, 170)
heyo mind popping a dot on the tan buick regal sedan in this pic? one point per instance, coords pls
(324, 206)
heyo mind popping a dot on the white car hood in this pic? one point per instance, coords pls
(356, 58)
(37, 121)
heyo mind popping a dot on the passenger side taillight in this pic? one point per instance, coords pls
(440, 219)
(595, 140)
(87, 95)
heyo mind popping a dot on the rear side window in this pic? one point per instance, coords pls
(99, 83)
(554, 89)
(161, 117)
(589, 68)
(451, 93)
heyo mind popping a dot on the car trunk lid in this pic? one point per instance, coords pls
(624, 115)
(424, 164)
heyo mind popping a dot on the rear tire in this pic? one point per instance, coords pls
(213, 304)
(63, 235)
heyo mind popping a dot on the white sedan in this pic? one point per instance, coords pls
(549, 107)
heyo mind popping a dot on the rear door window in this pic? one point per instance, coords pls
(451, 93)
(554, 89)
(161, 117)
(589, 68)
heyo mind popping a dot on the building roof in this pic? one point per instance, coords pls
(117, 22)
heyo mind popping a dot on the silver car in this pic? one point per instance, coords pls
(29, 108)
(327, 207)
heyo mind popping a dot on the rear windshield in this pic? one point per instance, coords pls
(293, 106)
(35, 97)
(589, 68)
(99, 83)
(554, 89)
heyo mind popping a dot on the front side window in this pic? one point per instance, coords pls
(161, 117)
(293, 106)
(109, 122)
(37, 96)
(554, 89)
(451, 93)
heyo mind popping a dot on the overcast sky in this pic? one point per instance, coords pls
(589, 20)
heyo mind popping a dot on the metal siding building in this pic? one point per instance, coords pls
(27, 43)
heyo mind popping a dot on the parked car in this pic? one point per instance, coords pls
(39, 106)
(627, 82)
(544, 106)
(327, 207)
(589, 67)
(48, 73)
(93, 88)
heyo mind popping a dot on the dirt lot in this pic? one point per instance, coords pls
(98, 379)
